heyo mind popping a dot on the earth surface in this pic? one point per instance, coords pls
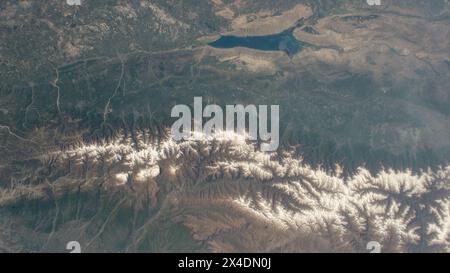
(86, 93)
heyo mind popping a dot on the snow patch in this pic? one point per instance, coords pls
(73, 2)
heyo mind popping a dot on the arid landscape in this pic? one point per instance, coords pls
(86, 154)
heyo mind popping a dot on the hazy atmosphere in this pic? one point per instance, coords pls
(87, 154)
